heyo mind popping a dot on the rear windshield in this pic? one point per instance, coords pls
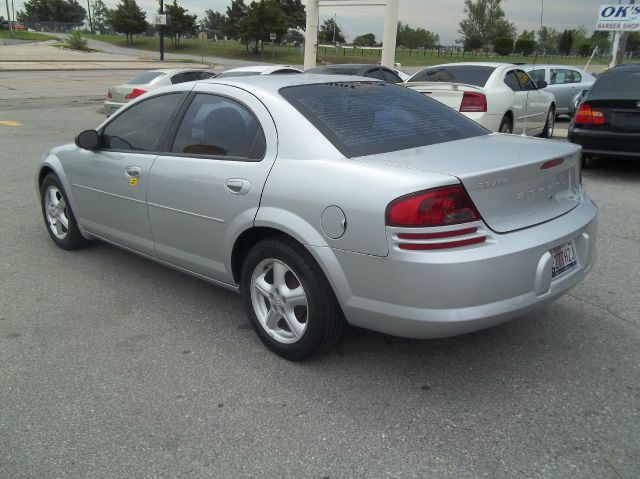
(237, 74)
(368, 118)
(468, 74)
(620, 83)
(144, 78)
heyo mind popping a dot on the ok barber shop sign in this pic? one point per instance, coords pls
(619, 17)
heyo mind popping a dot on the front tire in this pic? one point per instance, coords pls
(289, 301)
(58, 217)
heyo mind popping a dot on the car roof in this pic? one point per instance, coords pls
(473, 64)
(549, 65)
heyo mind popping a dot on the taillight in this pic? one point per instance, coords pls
(473, 102)
(449, 205)
(109, 95)
(135, 93)
(587, 116)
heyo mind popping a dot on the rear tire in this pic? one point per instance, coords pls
(506, 125)
(58, 217)
(549, 125)
(289, 301)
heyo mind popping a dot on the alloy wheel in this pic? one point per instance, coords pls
(279, 301)
(55, 209)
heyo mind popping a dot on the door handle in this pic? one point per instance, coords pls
(133, 171)
(237, 186)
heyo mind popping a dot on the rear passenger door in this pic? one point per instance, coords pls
(207, 188)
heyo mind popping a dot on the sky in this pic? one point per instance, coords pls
(439, 16)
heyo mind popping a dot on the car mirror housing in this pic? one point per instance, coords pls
(541, 84)
(88, 140)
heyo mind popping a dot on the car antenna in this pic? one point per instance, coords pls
(535, 59)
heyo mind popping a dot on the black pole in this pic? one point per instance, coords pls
(161, 32)
(89, 13)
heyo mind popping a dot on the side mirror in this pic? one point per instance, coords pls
(88, 140)
(541, 84)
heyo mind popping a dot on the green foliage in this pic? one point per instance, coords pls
(76, 41)
(484, 23)
(67, 11)
(213, 21)
(415, 37)
(525, 35)
(326, 33)
(566, 40)
(602, 41)
(236, 13)
(294, 14)
(633, 42)
(128, 18)
(503, 46)
(99, 16)
(525, 46)
(181, 22)
(263, 18)
(367, 40)
(579, 37)
(549, 38)
(294, 36)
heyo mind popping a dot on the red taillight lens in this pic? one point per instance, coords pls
(109, 95)
(438, 207)
(473, 102)
(586, 116)
(135, 93)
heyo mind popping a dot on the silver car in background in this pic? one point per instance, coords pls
(328, 200)
(565, 82)
(118, 96)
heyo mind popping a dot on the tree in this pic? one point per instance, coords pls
(579, 37)
(503, 46)
(263, 18)
(633, 42)
(526, 35)
(99, 16)
(367, 40)
(293, 36)
(128, 18)
(526, 43)
(294, 14)
(484, 23)
(415, 38)
(565, 42)
(601, 40)
(67, 11)
(236, 14)
(181, 22)
(548, 39)
(326, 32)
(213, 21)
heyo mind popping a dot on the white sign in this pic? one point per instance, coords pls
(272, 37)
(159, 19)
(625, 18)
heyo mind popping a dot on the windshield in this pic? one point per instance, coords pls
(368, 118)
(467, 74)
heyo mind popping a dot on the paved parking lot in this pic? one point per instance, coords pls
(114, 366)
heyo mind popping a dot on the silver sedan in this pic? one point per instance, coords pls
(329, 200)
(563, 81)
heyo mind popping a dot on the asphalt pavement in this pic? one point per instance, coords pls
(115, 366)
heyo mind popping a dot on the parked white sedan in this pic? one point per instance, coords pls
(499, 96)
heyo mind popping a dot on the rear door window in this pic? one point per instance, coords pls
(217, 126)
(368, 118)
(511, 80)
(537, 75)
(525, 81)
(562, 76)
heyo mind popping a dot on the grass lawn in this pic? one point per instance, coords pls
(293, 55)
(18, 35)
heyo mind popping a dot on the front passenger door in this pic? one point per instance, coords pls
(110, 183)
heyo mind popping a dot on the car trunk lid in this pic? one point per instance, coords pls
(514, 182)
(450, 94)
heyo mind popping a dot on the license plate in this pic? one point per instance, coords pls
(564, 259)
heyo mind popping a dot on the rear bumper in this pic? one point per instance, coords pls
(421, 294)
(111, 106)
(606, 143)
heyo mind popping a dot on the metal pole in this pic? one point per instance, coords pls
(334, 29)
(389, 34)
(13, 13)
(161, 32)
